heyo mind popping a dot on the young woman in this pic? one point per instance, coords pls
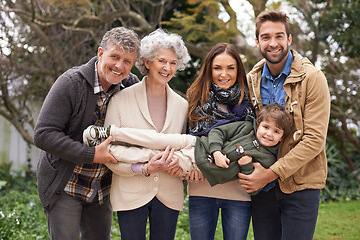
(218, 96)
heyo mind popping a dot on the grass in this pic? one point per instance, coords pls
(22, 217)
(338, 221)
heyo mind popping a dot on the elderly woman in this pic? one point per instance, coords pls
(145, 190)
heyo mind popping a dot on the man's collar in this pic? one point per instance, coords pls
(286, 69)
(97, 86)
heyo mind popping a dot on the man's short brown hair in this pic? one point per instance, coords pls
(273, 16)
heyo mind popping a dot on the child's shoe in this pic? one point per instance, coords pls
(94, 135)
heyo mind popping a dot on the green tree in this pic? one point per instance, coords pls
(40, 39)
(342, 24)
(200, 26)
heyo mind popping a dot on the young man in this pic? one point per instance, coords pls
(73, 182)
(288, 211)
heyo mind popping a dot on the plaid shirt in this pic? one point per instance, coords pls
(91, 180)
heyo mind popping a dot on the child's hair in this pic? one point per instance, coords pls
(277, 113)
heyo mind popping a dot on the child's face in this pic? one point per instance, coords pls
(268, 133)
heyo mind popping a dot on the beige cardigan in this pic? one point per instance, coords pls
(128, 108)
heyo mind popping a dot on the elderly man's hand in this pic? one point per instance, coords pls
(102, 154)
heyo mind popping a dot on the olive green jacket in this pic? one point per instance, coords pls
(235, 140)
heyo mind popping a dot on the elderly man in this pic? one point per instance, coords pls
(73, 182)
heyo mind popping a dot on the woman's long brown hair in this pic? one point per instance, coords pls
(199, 89)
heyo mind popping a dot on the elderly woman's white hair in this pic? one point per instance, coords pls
(157, 40)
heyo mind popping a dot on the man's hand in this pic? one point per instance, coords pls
(102, 154)
(258, 179)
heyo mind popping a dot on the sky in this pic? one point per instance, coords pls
(246, 17)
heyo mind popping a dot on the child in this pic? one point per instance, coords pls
(227, 150)
(237, 144)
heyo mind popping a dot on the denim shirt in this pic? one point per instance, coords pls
(271, 89)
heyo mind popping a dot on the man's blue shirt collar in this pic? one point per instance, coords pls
(271, 89)
(286, 69)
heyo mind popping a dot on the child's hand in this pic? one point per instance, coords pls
(221, 160)
(244, 160)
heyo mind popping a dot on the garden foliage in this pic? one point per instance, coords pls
(22, 216)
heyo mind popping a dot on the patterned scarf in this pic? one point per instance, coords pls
(229, 97)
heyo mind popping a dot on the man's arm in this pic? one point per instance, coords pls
(50, 133)
(315, 120)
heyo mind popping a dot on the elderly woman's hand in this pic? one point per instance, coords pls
(175, 170)
(162, 161)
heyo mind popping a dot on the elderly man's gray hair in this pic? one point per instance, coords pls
(127, 39)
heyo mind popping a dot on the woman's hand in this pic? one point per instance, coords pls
(195, 176)
(162, 161)
(176, 170)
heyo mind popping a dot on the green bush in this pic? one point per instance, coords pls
(21, 213)
(22, 216)
(341, 184)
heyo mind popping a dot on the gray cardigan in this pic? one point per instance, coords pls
(67, 110)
